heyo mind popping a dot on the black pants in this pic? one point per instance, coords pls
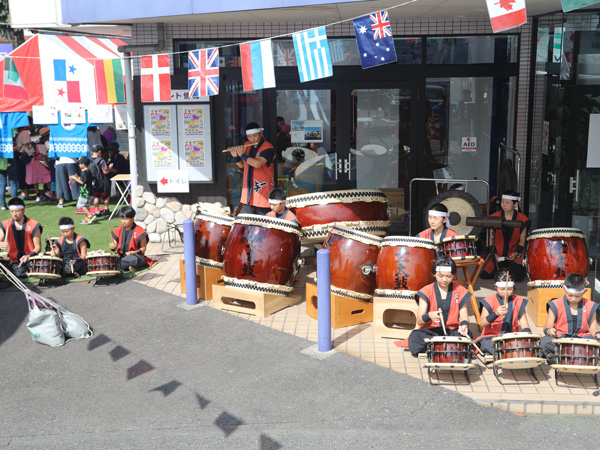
(79, 267)
(248, 209)
(20, 272)
(416, 339)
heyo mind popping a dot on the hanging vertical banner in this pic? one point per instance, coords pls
(312, 54)
(375, 40)
(571, 5)
(203, 72)
(156, 78)
(506, 14)
(258, 71)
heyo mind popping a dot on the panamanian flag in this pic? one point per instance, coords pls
(258, 71)
(203, 72)
(375, 40)
(312, 54)
(66, 81)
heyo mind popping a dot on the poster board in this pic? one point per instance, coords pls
(178, 137)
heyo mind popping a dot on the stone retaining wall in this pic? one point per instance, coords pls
(154, 214)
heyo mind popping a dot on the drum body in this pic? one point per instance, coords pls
(45, 267)
(577, 352)
(103, 264)
(353, 255)
(211, 231)
(404, 264)
(517, 345)
(362, 210)
(261, 253)
(553, 253)
(459, 248)
(449, 350)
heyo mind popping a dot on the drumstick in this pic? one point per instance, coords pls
(229, 149)
(479, 352)
(442, 320)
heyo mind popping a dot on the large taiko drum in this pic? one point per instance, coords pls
(262, 254)
(517, 351)
(553, 253)
(101, 264)
(211, 231)
(459, 248)
(319, 212)
(45, 267)
(404, 264)
(353, 255)
(450, 350)
(577, 352)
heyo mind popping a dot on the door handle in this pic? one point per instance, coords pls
(574, 185)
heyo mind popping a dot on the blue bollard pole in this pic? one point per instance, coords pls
(189, 256)
(324, 300)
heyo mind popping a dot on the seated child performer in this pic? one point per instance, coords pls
(438, 221)
(570, 316)
(509, 243)
(130, 241)
(21, 236)
(278, 209)
(442, 299)
(502, 317)
(71, 247)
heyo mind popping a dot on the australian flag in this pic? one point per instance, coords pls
(375, 40)
(203, 72)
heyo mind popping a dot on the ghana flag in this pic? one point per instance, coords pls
(109, 81)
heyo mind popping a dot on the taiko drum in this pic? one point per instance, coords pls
(211, 232)
(459, 248)
(577, 352)
(44, 266)
(449, 350)
(405, 263)
(517, 345)
(103, 264)
(353, 255)
(261, 253)
(553, 253)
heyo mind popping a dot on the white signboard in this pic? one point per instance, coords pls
(45, 115)
(121, 117)
(100, 114)
(469, 144)
(172, 181)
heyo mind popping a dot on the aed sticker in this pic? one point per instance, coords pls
(469, 144)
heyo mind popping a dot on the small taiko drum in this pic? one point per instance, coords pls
(459, 248)
(553, 253)
(577, 355)
(518, 351)
(447, 351)
(45, 267)
(103, 264)
(353, 255)
(262, 254)
(362, 210)
(211, 231)
(404, 264)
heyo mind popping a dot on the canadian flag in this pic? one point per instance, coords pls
(156, 78)
(506, 14)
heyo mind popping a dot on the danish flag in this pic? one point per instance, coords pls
(381, 25)
(156, 78)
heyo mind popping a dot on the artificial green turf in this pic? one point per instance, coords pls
(47, 214)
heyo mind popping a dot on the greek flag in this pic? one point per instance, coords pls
(312, 54)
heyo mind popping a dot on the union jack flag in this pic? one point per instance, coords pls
(286, 57)
(381, 25)
(203, 72)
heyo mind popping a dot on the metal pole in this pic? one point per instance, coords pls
(189, 256)
(131, 127)
(324, 299)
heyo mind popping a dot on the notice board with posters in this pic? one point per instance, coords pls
(178, 137)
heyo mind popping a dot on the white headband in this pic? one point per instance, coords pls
(505, 284)
(438, 213)
(66, 227)
(574, 291)
(275, 202)
(512, 197)
(254, 130)
(16, 207)
(445, 269)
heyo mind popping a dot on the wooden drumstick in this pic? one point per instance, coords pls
(442, 320)
(229, 149)
(479, 352)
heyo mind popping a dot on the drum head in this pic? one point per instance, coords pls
(461, 205)
(45, 276)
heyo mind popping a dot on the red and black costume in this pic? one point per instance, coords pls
(20, 242)
(72, 252)
(500, 325)
(428, 234)
(130, 241)
(258, 182)
(285, 215)
(456, 298)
